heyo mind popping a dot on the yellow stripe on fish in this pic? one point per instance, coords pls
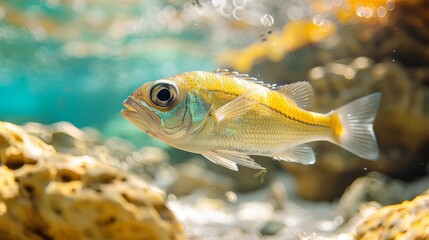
(227, 116)
(272, 100)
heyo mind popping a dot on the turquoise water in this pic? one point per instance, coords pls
(77, 72)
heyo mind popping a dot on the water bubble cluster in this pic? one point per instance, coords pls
(99, 28)
(372, 11)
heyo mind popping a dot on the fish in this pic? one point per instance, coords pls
(227, 117)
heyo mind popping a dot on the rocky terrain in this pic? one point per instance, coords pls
(59, 182)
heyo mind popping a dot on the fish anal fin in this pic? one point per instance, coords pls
(301, 93)
(235, 108)
(301, 154)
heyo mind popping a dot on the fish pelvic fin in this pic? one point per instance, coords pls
(220, 160)
(240, 159)
(352, 126)
(230, 159)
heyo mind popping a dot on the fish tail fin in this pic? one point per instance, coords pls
(352, 126)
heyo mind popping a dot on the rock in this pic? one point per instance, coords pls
(408, 220)
(272, 228)
(66, 138)
(376, 187)
(45, 194)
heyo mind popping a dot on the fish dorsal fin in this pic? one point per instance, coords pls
(301, 93)
(301, 154)
(227, 72)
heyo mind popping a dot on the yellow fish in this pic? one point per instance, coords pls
(227, 116)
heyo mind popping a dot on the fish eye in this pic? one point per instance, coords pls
(164, 93)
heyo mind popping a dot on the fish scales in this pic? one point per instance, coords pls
(227, 116)
(274, 122)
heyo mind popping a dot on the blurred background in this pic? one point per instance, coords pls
(77, 60)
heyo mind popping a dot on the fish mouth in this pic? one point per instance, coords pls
(140, 116)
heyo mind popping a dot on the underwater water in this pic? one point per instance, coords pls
(76, 61)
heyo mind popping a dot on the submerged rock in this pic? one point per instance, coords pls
(67, 138)
(272, 228)
(408, 220)
(379, 188)
(45, 194)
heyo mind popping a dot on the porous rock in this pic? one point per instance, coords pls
(408, 220)
(50, 195)
(146, 162)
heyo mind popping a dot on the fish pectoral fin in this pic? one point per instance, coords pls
(301, 154)
(235, 108)
(301, 93)
(240, 159)
(220, 160)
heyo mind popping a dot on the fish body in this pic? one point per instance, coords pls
(227, 116)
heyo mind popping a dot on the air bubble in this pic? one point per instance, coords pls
(267, 20)
(368, 12)
(390, 5)
(360, 11)
(381, 11)
(236, 14)
(318, 20)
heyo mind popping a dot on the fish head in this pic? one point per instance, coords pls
(166, 109)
